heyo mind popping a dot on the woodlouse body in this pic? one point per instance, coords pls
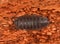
(31, 22)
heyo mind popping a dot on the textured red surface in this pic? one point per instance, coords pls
(9, 9)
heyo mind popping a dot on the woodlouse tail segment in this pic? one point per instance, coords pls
(44, 21)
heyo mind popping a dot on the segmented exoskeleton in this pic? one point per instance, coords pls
(31, 22)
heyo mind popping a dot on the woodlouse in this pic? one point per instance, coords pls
(31, 22)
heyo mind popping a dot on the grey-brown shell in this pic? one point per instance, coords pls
(31, 22)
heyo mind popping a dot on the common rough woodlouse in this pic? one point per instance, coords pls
(31, 22)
